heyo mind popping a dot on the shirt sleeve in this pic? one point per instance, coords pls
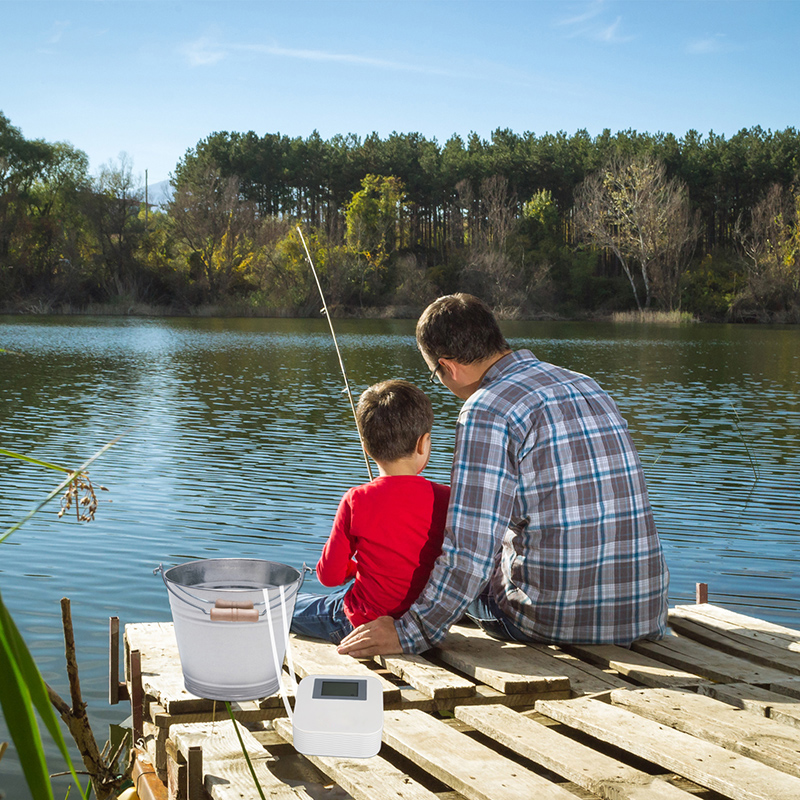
(336, 565)
(484, 480)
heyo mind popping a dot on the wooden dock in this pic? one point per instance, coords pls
(710, 712)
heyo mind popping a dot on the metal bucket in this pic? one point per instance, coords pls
(232, 619)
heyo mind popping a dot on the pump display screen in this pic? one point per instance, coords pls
(342, 690)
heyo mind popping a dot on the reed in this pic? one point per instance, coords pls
(654, 317)
(24, 695)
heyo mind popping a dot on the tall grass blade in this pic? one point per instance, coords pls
(23, 691)
(15, 700)
(33, 460)
(244, 751)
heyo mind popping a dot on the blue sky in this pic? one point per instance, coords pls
(153, 78)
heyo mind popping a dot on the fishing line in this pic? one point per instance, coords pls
(338, 352)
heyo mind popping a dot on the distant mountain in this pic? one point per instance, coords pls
(159, 194)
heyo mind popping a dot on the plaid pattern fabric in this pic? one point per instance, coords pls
(549, 506)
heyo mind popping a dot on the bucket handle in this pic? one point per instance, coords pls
(220, 611)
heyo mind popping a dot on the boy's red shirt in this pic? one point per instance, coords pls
(386, 535)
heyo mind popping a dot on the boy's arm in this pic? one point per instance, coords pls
(336, 565)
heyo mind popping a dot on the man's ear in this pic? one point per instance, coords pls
(452, 368)
(423, 443)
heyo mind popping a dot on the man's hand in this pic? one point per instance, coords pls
(375, 638)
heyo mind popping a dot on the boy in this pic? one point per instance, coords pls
(387, 533)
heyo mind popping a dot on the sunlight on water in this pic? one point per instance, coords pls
(239, 441)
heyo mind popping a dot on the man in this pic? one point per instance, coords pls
(550, 535)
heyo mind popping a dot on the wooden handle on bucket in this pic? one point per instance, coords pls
(234, 611)
(222, 603)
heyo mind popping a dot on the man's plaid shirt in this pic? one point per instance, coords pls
(549, 506)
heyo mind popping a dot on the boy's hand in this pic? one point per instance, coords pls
(376, 638)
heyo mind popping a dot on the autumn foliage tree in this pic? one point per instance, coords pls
(632, 208)
(769, 238)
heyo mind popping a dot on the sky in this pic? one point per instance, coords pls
(151, 79)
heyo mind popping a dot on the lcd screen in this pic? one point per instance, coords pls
(339, 689)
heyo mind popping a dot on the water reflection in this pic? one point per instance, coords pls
(239, 442)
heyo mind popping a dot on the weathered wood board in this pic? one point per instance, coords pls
(714, 721)
(761, 702)
(594, 771)
(471, 768)
(315, 657)
(639, 668)
(430, 679)
(737, 634)
(733, 775)
(225, 772)
(691, 655)
(364, 778)
(509, 667)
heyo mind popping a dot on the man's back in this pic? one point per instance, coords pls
(582, 561)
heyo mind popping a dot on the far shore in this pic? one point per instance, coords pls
(339, 312)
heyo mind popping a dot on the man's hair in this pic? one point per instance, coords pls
(461, 327)
(392, 415)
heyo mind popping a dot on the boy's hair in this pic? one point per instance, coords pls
(461, 327)
(392, 415)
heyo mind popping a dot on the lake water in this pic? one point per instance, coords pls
(238, 441)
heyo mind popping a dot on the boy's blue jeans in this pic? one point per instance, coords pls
(321, 616)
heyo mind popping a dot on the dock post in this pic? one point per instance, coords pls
(116, 691)
(194, 773)
(137, 698)
(701, 593)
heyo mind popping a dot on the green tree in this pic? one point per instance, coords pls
(375, 229)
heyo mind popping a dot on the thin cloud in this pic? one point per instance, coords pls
(57, 32)
(592, 25)
(594, 10)
(202, 53)
(321, 55)
(205, 52)
(707, 46)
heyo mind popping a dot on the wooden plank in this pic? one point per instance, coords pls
(789, 687)
(364, 778)
(633, 665)
(605, 776)
(732, 775)
(585, 678)
(725, 619)
(736, 644)
(225, 772)
(714, 721)
(315, 657)
(509, 667)
(430, 679)
(700, 659)
(471, 768)
(761, 702)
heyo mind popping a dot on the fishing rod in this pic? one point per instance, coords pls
(338, 352)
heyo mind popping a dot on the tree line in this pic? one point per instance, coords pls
(556, 224)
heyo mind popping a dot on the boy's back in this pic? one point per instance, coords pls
(395, 526)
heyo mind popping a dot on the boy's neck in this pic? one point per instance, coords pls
(402, 466)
